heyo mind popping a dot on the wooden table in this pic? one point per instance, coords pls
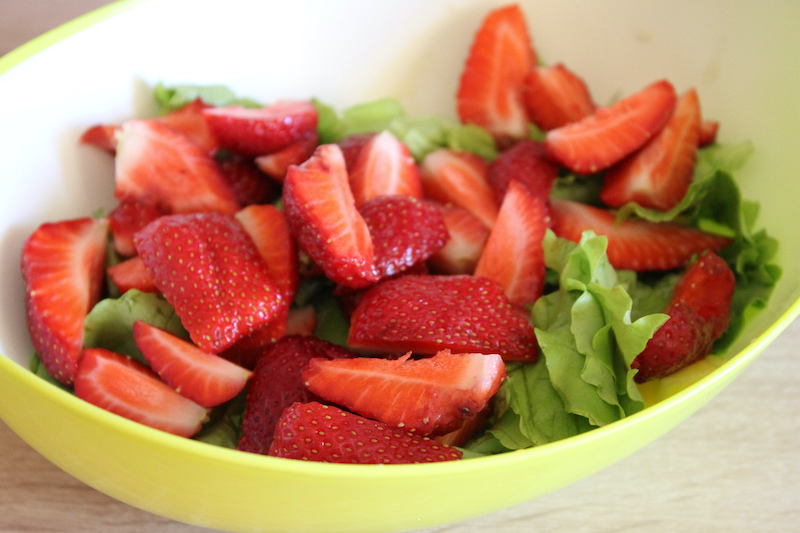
(733, 467)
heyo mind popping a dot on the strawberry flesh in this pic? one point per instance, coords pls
(131, 274)
(555, 96)
(527, 163)
(461, 252)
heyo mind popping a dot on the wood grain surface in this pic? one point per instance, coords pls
(732, 467)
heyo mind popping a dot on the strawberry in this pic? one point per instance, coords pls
(384, 166)
(246, 351)
(459, 178)
(707, 287)
(128, 217)
(160, 166)
(204, 378)
(301, 320)
(469, 428)
(634, 244)
(405, 231)
(611, 133)
(131, 274)
(429, 396)
(210, 271)
(708, 133)
(276, 164)
(248, 183)
(63, 265)
(462, 250)
(526, 162)
(427, 314)
(316, 432)
(128, 388)
(490, 91)
(658, 175)
(321, 212)
(351, 146)
(276, 383)
(189, 120)
(556, 96)
(255, 132)
(102, 136)
(513, 255)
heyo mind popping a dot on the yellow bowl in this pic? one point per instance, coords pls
(741, 56)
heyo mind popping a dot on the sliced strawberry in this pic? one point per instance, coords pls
(277, 163)
(246, 351)
(708, 133)
(321, 212)
(611, 133)
(384, 166)
(490, 91)
(462, 250)
(301, 321)
(658, 175)
(128, 388)
(429, 396)
(634, 244)
(276, 384)
(210, 271)
(254, 132)
(351, 146)
(513, 255)
(427, 314)
(204, 378)
(63, 266)
(405, 231)
(128, 217)
(707, 286)
(160, 166)
(102, 136)
(471, 427)
(459, 178)
(131, 274)
(316, 432)
(189, 121)
(249, 184)
(526, 162)
(556, 96)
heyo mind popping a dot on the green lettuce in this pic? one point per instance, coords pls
(176, 96)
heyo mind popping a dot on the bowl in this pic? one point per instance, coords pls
(100, 68)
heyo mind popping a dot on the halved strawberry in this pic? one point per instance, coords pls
(128, 388)
(322, 215)
(189, 121)
(102, 136)
(128, 217)
(490, 91)
(316, 432)
(427, 314)
(471, 427)
(556, 96)
(277, 163)
(429, 396)
(708, 133)
(658, 175)
(707, 286)
(634, 244)
(63, 266)
(131, 274)
(513, 255)
(351, 146)
(160, 166)
(249, 184)
(527, 163)
(301, 320)
(204, 378)
(459, 178)
(254, 132)
(611, 133)
(463, 248)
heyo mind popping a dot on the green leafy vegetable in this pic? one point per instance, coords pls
(175, 97)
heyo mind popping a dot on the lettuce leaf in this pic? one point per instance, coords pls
(175, 97)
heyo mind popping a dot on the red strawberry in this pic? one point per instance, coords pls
(160, 166)
(429, 396)
(427, 314)
(246, 351)
(462, 250)
(490, 91)
(556, 96)
(611, 133)
(459, 178)
(250, 185)
(351, 146)
(468, 429)
(317, 432)
(708, 133)
(526, 162)
(405, 231)
(658, 175)
(276, 384)
(102, 136)
(128, 217)
(210, 271)
(128, 388)
(204, 378)
(131, 274)
(707, 286)
(276, 164)
(634, 244)
(255, 132)
(513, 255)
(384, 166)
(321, 212)
(63, 267)
(189, 120)
(301, 321)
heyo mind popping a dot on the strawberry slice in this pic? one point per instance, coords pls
(316, 432)
(527, 163)
(461, 252)
(707, 286)
(322, 215)
(131, 274)
(160, 166)
(204, 378)
(276, 164)
(210, 271)
(427, 314)
(128, 217)
(430, 396)
(301, 320)
(351, 146)
(128, 388)
(658, 175)
(63, 267)
(190, 121)
(276, 383)
(384, 166)
(255, 132)
(611, 133)
(634, 244)
(555, 96)
(459, 178)
(249, 184)
(490, 91)
(708, 133)
(513, 255)
(103, 136)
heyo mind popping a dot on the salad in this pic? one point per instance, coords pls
(366, 286)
